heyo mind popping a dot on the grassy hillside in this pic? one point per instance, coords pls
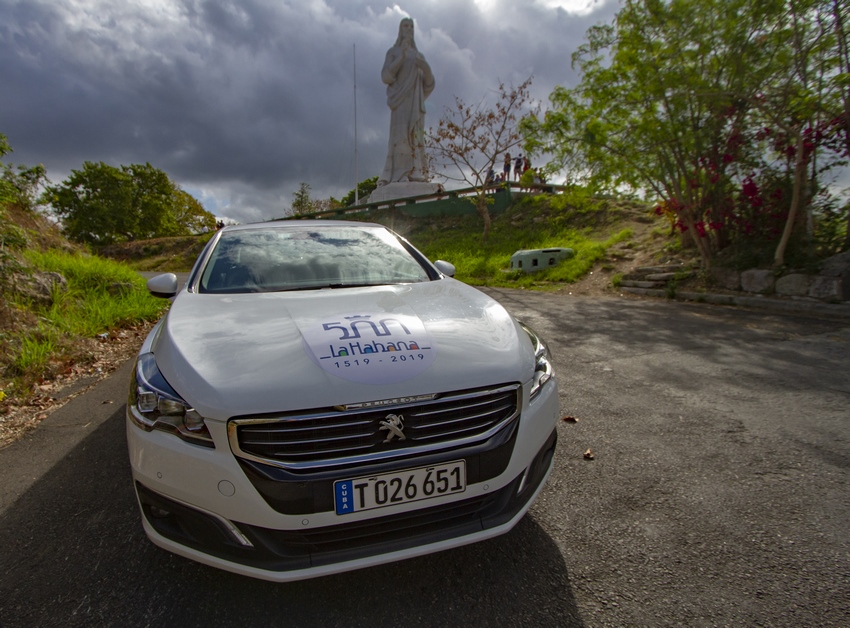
(598, 232)
(63, 312)
(162, 254)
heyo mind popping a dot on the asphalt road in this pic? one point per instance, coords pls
(718, 496)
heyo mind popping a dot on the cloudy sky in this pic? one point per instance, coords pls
(239, 101)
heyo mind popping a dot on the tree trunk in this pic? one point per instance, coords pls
(701, 244)
(481, 206)
(844, 66)
(799, 174)
(846, 246)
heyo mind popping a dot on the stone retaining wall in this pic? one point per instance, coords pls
(831, 284)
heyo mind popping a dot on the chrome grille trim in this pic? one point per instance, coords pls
(333, 437)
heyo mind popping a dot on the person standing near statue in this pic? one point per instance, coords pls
(409, 82)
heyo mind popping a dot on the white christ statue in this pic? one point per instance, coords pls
(409, 82)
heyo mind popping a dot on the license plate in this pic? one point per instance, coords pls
(399, 487)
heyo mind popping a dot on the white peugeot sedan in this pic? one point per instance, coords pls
(320, 398)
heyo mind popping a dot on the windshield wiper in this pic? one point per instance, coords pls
(322, 286)
(334, 286)
(356, 285)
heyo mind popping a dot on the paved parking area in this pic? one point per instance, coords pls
(718, 495)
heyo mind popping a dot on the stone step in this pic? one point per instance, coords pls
(636, 283)
(633, 276)
(667, 276)
(648, 292)
(643, 270)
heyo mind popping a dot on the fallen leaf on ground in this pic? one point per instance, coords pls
(19, 418)
(588, 455)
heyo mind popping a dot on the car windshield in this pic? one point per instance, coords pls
(275, 259)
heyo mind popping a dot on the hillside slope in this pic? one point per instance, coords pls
(59, 331)
(621, 234)
(517, 228)
(176, 254)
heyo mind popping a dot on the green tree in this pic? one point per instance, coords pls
(151, 210)
(92, 204)
(807, 105)
(702, 104)
(469, 140)
(189, 215)
(841, 15)
(301, 203)
(102, 204)
(19, 184)
(364, 189)
(6, 189)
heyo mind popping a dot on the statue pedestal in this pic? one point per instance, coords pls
(405, 189)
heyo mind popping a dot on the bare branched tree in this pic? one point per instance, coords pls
(469, 141)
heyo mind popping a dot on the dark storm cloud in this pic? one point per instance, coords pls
(240, 101)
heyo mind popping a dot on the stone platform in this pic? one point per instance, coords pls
(395, 190)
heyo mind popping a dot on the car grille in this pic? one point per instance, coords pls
(332, 437)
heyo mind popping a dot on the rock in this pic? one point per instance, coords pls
(826, 288)
(794, 285)
(39, 286)
(838, 267)
(758, 281)
(727, 278)
(119, 288)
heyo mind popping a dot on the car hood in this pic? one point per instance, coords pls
(240, 354)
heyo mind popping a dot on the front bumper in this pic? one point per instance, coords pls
(202, 504)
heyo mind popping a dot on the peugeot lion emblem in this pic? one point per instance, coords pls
(394, 424)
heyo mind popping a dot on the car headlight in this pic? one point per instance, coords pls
(154, 405)
(543, 370)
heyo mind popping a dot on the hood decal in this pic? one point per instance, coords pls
(370, 348)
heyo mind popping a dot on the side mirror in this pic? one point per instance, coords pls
(444, 267)
(163, 286)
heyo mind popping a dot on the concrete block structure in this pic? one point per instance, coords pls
(531, 260)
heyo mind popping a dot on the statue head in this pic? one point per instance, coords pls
(405, 33)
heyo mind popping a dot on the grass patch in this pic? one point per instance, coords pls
(588, 225)
(176, 254)
(532, 224)
(101, 296)
(35, 352)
